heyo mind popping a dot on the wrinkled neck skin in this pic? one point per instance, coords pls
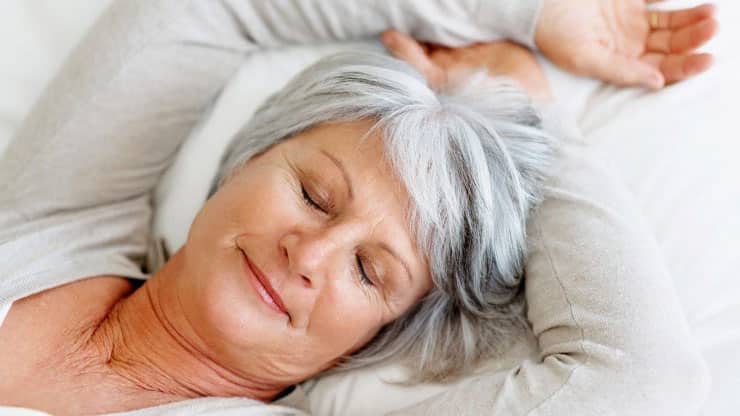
(145, 345)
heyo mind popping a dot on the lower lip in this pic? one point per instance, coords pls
(259, 288)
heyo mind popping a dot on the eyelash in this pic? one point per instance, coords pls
(364, 279)
(309, 201)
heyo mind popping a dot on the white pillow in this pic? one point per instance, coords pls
(676, 150)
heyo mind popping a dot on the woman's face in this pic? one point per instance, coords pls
(323, 218)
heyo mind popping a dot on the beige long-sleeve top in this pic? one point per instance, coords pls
(76, 189)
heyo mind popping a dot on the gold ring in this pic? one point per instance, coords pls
(654, 20)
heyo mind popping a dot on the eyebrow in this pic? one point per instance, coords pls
(348, 182)
(339, 164)
(385, 247)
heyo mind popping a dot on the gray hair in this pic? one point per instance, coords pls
(473, 159)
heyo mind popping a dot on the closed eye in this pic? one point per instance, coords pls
(310, 201)
(362, 274)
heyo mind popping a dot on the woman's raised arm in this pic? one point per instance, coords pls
(112, 119)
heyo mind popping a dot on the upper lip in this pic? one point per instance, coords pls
(266, 283)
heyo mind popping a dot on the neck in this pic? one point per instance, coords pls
(146, 343)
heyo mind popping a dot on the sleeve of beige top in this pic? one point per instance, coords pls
(450, 22)
(612, 335)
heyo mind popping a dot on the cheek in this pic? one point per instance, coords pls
(260, 203)
(221, 307)
(345, 318)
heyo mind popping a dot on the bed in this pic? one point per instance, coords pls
(676, 151)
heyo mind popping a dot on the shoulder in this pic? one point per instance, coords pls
(44, 322)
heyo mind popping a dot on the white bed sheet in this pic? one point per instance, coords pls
(677, 150)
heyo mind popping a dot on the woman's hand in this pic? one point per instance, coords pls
(621, 42)
(439, 64)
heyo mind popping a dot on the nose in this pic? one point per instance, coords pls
(312, 257)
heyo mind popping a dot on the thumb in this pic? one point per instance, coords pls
(406, 48)
(626, 71)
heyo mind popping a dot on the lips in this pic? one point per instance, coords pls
(263, 287)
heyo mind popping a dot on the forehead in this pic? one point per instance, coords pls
(363, 158)
(346, 140)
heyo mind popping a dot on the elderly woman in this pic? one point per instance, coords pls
(370, 210)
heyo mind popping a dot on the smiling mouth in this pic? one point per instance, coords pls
(262, 286)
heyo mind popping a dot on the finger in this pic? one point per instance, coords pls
(683, 40)
(405, 47)
(627, 71)
(675, 19)
(679, 67)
